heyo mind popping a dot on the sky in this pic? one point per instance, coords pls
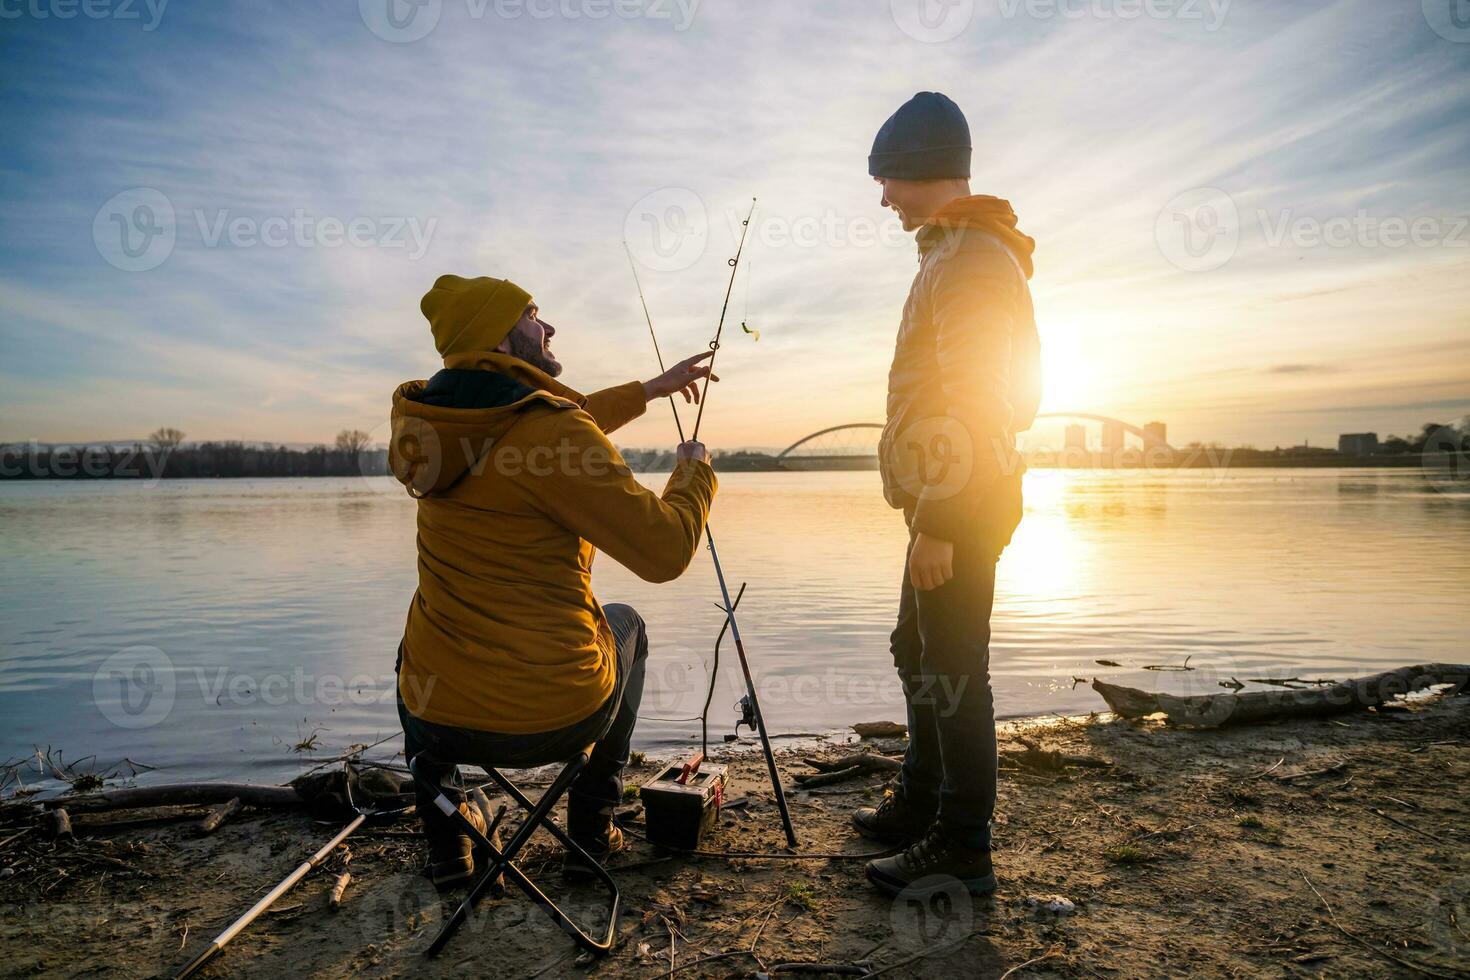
(1253, 217)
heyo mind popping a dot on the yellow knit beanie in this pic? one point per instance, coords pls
(472, 314)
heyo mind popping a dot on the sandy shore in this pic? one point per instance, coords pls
(1191, 854)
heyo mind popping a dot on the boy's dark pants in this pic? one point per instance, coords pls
(941, 647)
(599, 787)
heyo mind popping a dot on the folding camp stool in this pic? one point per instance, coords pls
(503, 861)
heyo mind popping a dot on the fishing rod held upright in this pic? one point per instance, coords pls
(754, 701)
(714, 345)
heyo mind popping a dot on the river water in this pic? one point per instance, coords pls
(207, 627)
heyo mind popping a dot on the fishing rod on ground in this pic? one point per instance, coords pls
(364, 813)
(750, 704)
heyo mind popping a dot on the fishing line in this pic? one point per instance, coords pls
(750, 704)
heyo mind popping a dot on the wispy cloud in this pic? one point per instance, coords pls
(523, 142)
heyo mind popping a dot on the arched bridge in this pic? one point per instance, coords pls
(843, 442)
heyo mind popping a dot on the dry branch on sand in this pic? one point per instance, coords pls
(1216, 710)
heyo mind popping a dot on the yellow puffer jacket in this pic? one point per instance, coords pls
(965, 378)
(517, 487)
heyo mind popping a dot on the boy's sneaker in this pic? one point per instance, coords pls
(893, 821)
(931, 866)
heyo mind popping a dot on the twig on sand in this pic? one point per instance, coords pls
(1411, 829)
(1363, 942)
(531, 976)
(1054, 951)
(1287, 777)
(921, 954)
(842, 969)
(761, 931)
(717, 956)
(1267, 772)
(1183, 666)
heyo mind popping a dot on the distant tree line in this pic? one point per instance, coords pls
(1433, 437)
(165, 456)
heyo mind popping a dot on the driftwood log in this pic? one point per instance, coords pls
(180, 794)
(58, 824)
(219, 815)
(845, 768)
(1216, 710)
(880, 729)
(97, 820)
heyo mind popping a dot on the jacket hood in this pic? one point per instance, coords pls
(991, 215)
(447, 426)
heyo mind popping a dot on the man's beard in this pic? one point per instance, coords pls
(533, 353)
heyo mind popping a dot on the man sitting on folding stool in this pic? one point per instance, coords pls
(507, 658)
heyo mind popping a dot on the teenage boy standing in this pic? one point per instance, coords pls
(965, 379)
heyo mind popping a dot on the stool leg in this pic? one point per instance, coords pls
(503, 861)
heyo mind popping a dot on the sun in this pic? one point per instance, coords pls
(1069, 377)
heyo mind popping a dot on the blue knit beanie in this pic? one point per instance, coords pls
(926, 139)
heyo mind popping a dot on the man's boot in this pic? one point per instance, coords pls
(893, 821)
(593, 829)
(451, 848)
(931, 866)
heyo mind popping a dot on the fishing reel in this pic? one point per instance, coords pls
(746, 707)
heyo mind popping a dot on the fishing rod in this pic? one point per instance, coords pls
(714, 345)
(751, 702)
(364, 813)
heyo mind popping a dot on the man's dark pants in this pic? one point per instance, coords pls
(941, 647)
(599, 787)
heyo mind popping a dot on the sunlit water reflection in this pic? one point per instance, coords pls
(276, 605)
